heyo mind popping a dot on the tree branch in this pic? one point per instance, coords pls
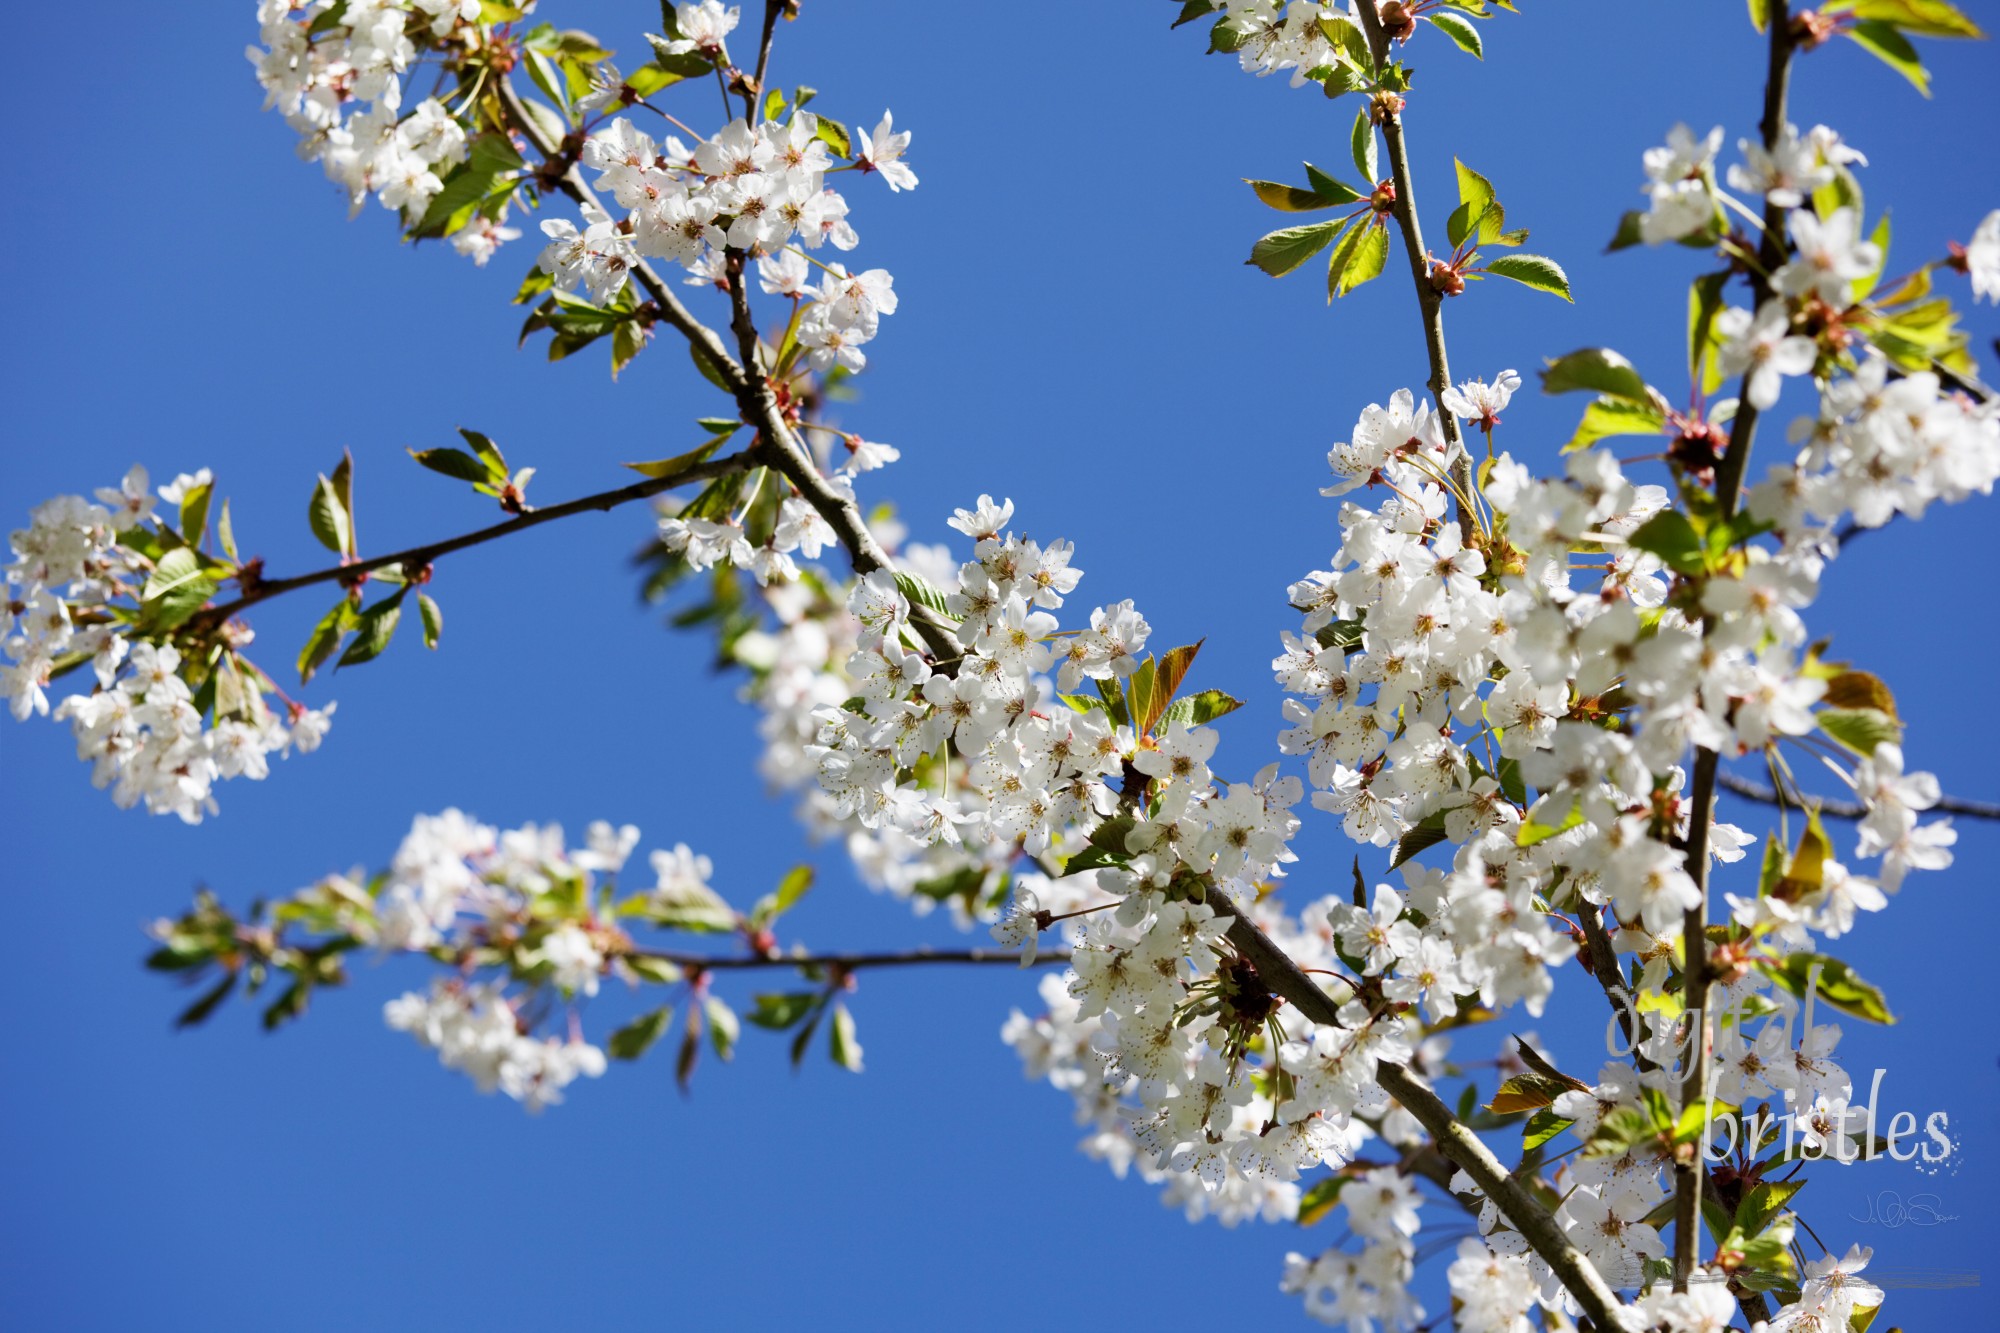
(707, 345)
(1688, 1176)
(1536, 1224)
(263, 590)
(771, 11)
(777, 446)
(1757, 791)
(851, 962)
(1429, 300)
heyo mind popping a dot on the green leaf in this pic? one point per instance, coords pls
(1536, 271)
(1331, 190)
(1534, 829)
(636, 1037)
(1318, 1201)
(1287, 198)
(1859, 729)
(835, 136)
(1167, 678)
(325, 638)
(723, 1028)
(176, 569)
(373, 629)
(778, 1012)
(1670, 536)
(1526, 1092)
(1619, 1131)
(1631, 231)
(328, 517)
(841, 1045)
(1113, 694)
(1705, 302)
(1615, 416)
(1346, 635)
(1357, 259)
(1479, 203)
(454, 463)
(781, 899)
(1139, 694)
(656, 970)
(225, 531)
(1599, 370)
(1225, 38)
(1194, 9)
(1461, 32)
(1760, 14)
(650, 78)
(433, 619)
(212, 999)
(1425, 835)
(919, 591)
(1881, 40)
(194, 512)
(1364, 147)
(489, 453)
(1542, 1126)
(1764, 1202)
(679, 463)
(1926, 18)
(1195, 709)
(1879, 238)
(1839, 985)
(1282, 251)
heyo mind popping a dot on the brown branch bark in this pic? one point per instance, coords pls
(263, 590)
(1429, 300)
(851, 962)
(1689, 1175)
(777, 445)
(1757, 791)
(1521, 1208)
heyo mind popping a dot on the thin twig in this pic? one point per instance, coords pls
(851, 962)
(1757, 791)
(418, 556)
(777, 446)
(1536, 1224)
(1689, 1175)
(1429, 300)
(771, 11)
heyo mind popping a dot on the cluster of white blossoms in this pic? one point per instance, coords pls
(476, 1030)
(335, 71)
(522, 899)
(758, 190)
(140, 726)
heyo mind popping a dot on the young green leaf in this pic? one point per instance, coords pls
(1461, 32)
(1364, 147)
(328, 517)
(373, 629)
(632, 1041)
(1881, 40)
(778, 1012)
(1287, 198)
(1536, 271)
(455, 463)
(433, 619)
(1615, 416)
(1282, 251)
(1333, 191)
(1599, 370)
(841, 1045)
(1357, 259)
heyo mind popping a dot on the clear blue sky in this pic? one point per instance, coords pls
(1078, 331)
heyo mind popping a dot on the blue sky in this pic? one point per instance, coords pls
(1078, 331)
